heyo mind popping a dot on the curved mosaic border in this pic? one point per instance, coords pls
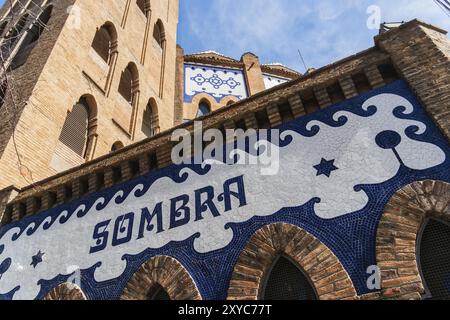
(169, 274)
(327, 274)
(400, 225)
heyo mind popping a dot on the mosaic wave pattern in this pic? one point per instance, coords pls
(339, 168)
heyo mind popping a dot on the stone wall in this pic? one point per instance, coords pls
(63, 68)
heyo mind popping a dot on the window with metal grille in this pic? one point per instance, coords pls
(75, 130)
(435, 259)
(286, 281)
(157, 293)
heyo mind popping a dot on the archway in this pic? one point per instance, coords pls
(66, 291)
(161, 277)
(398, 239)
(319, 265)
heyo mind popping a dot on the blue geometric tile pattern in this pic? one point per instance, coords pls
(351, 236)
(217, 82)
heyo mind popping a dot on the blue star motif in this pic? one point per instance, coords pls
(325, 167)
(37, 259)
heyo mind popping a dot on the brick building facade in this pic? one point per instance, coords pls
(364, 177)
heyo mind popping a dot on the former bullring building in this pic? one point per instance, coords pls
(92, 207)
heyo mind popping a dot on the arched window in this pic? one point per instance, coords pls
(159, 33)
(435, 259)
(157, 293)
(129, 83)
(150, 121)
(32, 38)
(74, 133)
(117, 146)
(105, 41)
(203, 109)
(144, 6)
(286, 281)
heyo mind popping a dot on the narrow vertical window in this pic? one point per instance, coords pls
(150, 121)
(74, 133)
(129, 82)
(102, 43)
(203, 109)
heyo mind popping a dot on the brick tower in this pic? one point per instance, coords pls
(76, 86)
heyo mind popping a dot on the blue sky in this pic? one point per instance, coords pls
(324, 30)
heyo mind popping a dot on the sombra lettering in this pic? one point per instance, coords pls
(178, 212)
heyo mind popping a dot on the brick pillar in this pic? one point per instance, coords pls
(421, 55)
(274, 115)
(17, 213)
(109, 178)
(164, 156)
(46, 200)
(229, 125)
(297, 107)
(374, 76)
(60, 195)
(76, 189)
(253, 73)
(348, 87)
(31, 206)
(322, 97)
(250, 121)
(144, 164)
(92, 182)
(126, 170)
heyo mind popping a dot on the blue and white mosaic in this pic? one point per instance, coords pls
(271, 81)
(338, 169)
(217, 82)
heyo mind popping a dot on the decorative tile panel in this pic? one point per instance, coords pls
(217, 82)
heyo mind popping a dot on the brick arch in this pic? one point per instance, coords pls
(166, 272)
(328, 276)
(398, 231)
(66, 291)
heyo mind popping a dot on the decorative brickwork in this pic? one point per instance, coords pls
(326, 273)
(166, 272)
(397, 236)
(66, 291)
